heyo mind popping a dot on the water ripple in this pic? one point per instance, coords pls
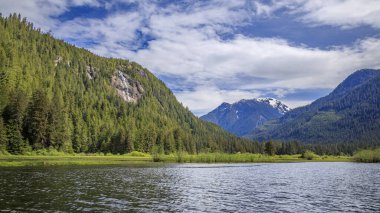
(292, 187)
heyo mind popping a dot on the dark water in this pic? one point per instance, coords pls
(289, 187)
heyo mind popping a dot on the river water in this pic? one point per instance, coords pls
(274, 187)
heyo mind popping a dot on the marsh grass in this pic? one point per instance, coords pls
(245, 158)
(53, 158)
(48, 158)
(368, 156)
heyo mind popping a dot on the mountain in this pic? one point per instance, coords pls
(244, 116)
(349, 114)
(54, 95)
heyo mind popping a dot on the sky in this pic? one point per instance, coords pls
(209, 52)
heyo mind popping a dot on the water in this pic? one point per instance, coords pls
(287, 187)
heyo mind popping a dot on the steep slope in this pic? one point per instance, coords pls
(54, 95)
(244, 116)
(349, 114)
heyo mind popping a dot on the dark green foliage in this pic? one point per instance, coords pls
(54, 95)
(270, 148)
(16, 143)
(3, 136)
(57, 131)
(36, 122)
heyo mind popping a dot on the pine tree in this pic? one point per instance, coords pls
(37, 120)
(57, 132)
(270, 148)
(16, 143)
(3, 136)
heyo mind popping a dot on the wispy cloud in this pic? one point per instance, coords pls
(43, 13)
(343, 13)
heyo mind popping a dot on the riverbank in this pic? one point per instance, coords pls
(246, 158)
(137, 157)
(59, 158)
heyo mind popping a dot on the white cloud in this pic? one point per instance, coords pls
(37, 11)
(344, 13)
(341, 13)
(109, 30)
(204, 98)
(285, 66)
(42, 12)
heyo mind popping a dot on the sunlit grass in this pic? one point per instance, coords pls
(368, 156)
(59, 158)
(53, 158)
(245, 158)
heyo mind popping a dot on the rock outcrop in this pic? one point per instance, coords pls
(128, 89)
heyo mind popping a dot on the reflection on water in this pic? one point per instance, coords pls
(293, 187)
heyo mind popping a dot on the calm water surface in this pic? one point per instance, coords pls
(287, 187)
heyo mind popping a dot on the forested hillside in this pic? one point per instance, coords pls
(54, 95)
(350, 114)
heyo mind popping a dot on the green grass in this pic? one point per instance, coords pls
(54, 158)
(47, 158)
(246, 158)
(368, 156)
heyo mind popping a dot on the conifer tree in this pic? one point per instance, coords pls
(37, 120)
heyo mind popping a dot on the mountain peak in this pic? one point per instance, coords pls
(245, 115)
(276, 104)
(282, 108)
(356, 79)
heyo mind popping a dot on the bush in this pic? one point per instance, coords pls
(309, 155)
(368, 156)
(4, 152)
(137, 154)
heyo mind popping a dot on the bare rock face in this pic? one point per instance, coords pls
(57, 60)
(128, 89)
(91, 72)
(141, 73)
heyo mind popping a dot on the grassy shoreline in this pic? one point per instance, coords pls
(368, 156)
(247, 158)
(22, 160)
(56, 159)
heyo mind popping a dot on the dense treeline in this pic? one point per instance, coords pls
(295, 147)
(48, 100)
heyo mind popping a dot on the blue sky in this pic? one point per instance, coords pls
(209, 52)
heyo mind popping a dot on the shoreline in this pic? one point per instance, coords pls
(51, 160)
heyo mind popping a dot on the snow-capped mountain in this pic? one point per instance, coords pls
(244, 116)
(282, 108)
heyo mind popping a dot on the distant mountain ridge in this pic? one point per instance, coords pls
(245, 115)
(349, 114)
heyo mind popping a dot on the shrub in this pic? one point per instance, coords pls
(309, 155)
(137, 154)
(368, 156)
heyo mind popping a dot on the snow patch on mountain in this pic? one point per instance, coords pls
(282, 108)
(244, 116)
